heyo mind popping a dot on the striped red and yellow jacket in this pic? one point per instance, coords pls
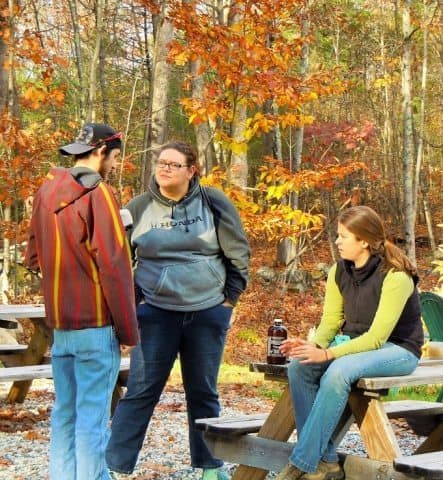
(78, 242)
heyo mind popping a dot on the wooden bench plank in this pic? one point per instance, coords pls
(263, 455)
(245, 424)
(427, 372)
(7, 348)
(31, 372)
(410, 408)
(362, 468)
(249, 452)
(423, 375)
(430, 465)
(28, 372)
(9, 324)
(229, 425)
(12, 312)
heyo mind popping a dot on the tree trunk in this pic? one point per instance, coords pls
(238, 160)
(428, 218)
(408, 132)
(4, 278)
(299, 131)
(102, 79)
(91, 111)
(205, 148)
(387, 121)
(8, 103)
(287, 249)
(145, 167)
(3, 57)
(278, 148)
(272, 144)
(81, 86)
(158, 131)
(238, 170)
(421, 126)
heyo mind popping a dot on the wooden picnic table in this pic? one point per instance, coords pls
(34, 354)
(269, 449)
(37, 347)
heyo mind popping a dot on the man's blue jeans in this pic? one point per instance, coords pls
(320, 393)
(85, 365)
(199, 338)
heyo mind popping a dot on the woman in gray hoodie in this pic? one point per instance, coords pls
(192, 260)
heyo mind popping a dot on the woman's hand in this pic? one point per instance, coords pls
(288, 346)
(304, 351)
(227, 303)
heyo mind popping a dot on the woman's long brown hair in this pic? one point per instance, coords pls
(366, 225)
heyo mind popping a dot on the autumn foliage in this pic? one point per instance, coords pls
(266, 70)
(248, 59)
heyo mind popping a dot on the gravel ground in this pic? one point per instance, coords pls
(24, 435)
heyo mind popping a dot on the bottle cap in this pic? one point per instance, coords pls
(278, 321)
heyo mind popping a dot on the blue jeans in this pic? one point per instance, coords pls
(85, 365)
(320, 393)
(199, 338)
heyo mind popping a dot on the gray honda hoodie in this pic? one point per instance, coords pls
(192, 254)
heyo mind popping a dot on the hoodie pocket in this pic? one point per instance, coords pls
(191, 283)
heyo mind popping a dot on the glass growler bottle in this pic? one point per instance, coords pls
(276, 334)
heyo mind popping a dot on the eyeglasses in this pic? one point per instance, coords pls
(163, 164)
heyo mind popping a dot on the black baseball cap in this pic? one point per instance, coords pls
(92, 135)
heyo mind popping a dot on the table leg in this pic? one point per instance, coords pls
(33, 355)
(434, 442)
(117, 394)
(278, 426)
(375, 427)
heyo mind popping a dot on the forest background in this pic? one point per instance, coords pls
(297, 108)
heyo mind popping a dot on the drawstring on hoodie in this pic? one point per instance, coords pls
(186, 219)
(173, 208)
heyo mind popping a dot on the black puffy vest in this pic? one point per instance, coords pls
(361, 291)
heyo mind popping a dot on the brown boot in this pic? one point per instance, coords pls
(325, 471)
(290, 473)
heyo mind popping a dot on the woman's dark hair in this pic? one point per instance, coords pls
(186, 150)
(366, 225)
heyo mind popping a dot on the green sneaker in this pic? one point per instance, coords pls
(214, 474)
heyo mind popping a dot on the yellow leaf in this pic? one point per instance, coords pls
(237, 28)
(239, 148)
(182, 58)
(249, 133)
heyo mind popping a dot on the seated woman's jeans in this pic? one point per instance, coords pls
(199, 339)
(320, 393)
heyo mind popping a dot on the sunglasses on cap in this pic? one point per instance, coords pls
(116, 136)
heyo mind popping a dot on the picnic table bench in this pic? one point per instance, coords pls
(25, 363)
(33, 372)
(234, 439)
(428, 465)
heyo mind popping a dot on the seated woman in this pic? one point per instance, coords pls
(371, 298)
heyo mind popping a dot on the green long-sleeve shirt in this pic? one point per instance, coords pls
(396, 289)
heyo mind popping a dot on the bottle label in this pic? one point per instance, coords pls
(274, 346)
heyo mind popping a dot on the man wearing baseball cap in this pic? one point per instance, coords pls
(78, 242)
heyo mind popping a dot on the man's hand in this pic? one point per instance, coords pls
(126, 350)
